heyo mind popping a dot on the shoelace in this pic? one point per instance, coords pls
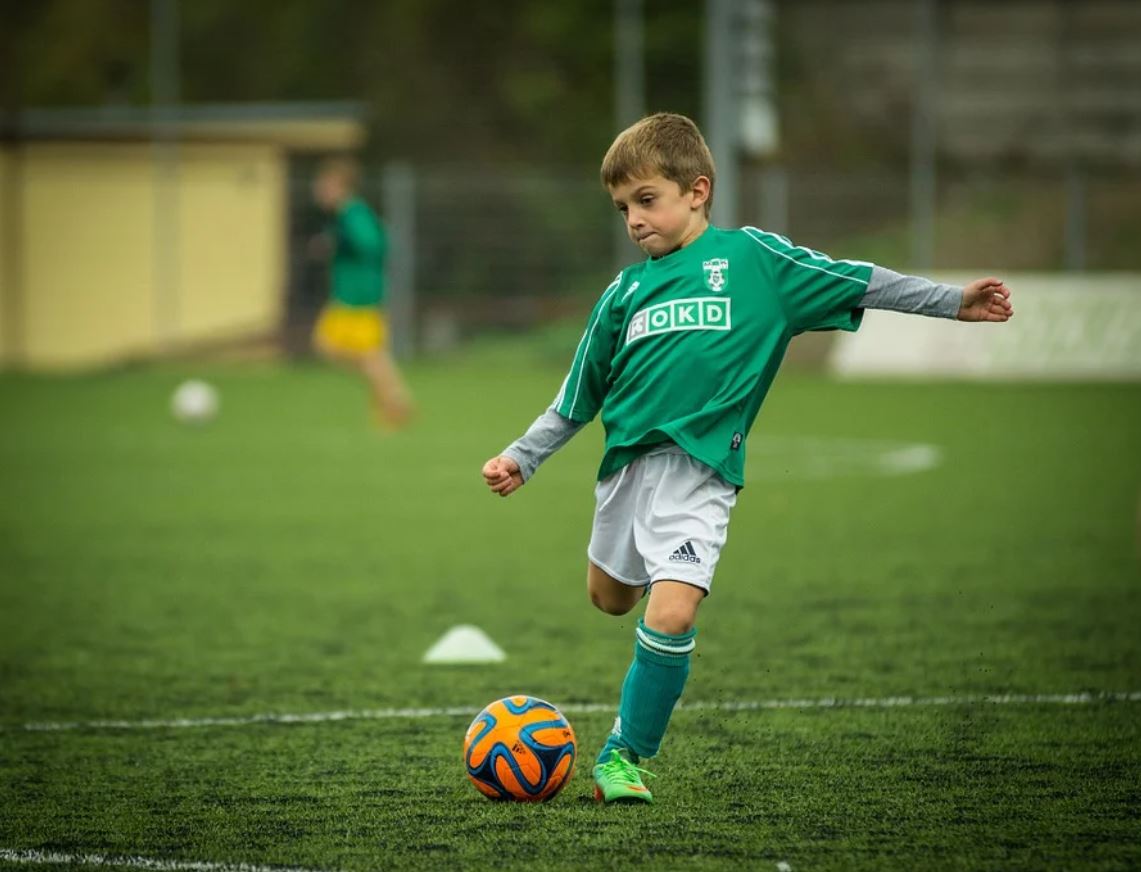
(622, 769)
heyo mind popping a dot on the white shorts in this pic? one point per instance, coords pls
(663, 517)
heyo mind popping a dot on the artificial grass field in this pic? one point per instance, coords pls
(290, 559)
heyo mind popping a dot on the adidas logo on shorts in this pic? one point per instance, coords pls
(686, 554)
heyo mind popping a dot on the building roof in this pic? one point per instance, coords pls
(297, 126)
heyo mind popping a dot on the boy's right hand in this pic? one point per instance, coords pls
(502, 475)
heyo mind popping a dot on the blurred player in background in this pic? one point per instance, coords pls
(677, 356)
(352, 328)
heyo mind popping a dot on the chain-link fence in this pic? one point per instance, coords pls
(499, 249)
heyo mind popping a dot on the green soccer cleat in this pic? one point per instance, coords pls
(619, 780)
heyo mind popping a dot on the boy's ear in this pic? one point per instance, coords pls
(700, 189)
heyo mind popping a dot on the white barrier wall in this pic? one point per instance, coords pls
(1065, 326)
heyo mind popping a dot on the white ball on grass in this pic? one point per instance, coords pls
(194, 402)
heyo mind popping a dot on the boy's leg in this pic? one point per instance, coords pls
(663, 641)
(662, 514)
(653, 685)
(324, 348)
(672, 609)
(609, 594)
(389, 393)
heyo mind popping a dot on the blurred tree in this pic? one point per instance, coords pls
(74, 52)
(517, 80)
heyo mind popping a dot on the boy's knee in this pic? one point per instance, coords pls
(672, 621)
(673, 607)
(611, 605)
(608, 594)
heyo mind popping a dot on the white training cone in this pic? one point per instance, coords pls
(465, 644)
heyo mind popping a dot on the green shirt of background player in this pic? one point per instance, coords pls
(677, 357)
(352, 328)
(359, 248)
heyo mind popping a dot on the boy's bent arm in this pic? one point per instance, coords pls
(549, 432)
(891, 290)
(361, 232)
(578, 401)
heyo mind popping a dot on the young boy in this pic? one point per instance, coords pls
(351, 328)
(677, 356)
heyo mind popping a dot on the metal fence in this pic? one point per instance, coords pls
(478, 249)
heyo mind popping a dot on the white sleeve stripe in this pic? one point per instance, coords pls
(759, 241)
(582, 339)
(811, 252)
(580, 363)
(562, 393)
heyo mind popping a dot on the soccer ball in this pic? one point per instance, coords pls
(194, 402)
(519, 748)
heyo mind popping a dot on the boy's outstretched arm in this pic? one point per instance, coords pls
(507, 472)
(986, 299)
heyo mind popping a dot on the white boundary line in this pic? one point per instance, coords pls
(581, 708)
(42, 858)
(799, 458)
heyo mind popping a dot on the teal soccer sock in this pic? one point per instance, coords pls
(652, 687)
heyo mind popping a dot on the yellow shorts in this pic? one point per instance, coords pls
(351, 329)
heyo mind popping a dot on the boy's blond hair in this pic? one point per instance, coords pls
(662, 144)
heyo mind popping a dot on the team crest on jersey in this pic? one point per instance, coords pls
(716, 274)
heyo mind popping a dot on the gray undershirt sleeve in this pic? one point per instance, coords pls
(900, 293)
(550, 432)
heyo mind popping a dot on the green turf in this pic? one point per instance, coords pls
(289, 559)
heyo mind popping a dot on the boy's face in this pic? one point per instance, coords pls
(330, 190)
(660, 215)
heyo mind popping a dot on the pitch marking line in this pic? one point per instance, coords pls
(585, 708)
(41, 858)
(788, 458)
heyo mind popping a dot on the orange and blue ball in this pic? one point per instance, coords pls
(519, 748)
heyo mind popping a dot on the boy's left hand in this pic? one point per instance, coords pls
(986, 300)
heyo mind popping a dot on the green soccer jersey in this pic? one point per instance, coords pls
(359, 246)
(684, 347)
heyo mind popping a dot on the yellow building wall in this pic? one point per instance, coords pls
(7, 254)
(95, 288)
(232, 255)
(86, 258)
